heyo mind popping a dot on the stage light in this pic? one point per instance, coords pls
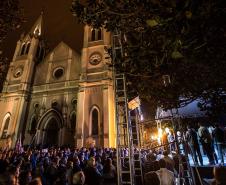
(153, 137)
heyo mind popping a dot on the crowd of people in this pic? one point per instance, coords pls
(58, 166)
(98, 166)
(93, 166)
(200, 142)
(203, 141)
(164, 168)
(211, 140)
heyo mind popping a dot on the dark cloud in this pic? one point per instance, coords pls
(59, 24)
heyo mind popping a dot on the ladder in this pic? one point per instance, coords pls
(125, 149)
(136, 141)
(184, 165)
(128, 158)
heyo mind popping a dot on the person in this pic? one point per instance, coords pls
(148, 163)
(36, 181)
(76, 164)
(13, 175)
(52, 172)
(206, 141)
(180, 141)
(165, 141)
(219, 175)
(166, 177)
(170, 164)
(92, 175)
(218, 135)
(25, 177)
(99, 165)
(210, 128)
(109, 173)
(3, 163)
(78, 178)
(171, 140)
(151, 178)
(69, 172)
(192, 139)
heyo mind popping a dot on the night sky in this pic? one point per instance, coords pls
(59, 24)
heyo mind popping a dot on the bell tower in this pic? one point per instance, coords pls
(95, 121)
(16, 92)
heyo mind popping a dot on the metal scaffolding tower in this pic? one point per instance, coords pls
(128, 157)
(129, 168)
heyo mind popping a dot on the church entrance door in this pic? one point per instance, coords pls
(51, 133)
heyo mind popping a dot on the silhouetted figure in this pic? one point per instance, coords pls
(92, 175)
(151, 178)
(219, 175)
(192, 139)
(206, 141)
(218, 135)
(166, 176)
(109, 173)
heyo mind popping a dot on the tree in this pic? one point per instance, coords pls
(10, 18)
(173, 50)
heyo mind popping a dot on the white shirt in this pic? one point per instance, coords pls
(166, 177)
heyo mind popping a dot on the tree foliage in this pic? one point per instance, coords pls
(11, 18)
(174, 51)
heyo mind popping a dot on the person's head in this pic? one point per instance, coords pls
(219, 174)
(76, 160)
(91, 162)
(178, 133)
(162, 163)
(98, 159)
(151, 157)
(63, 161)
(165, 153)
(217, 125)
(156, 166)
(70, 164)
(188, 127)
(151, 178)
(78, 178)
(82, 157)
(25, 177)
(14, 170)
(201, 124)
(109, 161)
(36, 181)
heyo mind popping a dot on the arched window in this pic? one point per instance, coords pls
(96, 34)
(40, 53)
(23, 49)
(6, 126)
(93, 35)
(99, 34)
(95, 122)
(28, 47)
(33, 125)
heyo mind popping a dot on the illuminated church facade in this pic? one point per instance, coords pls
(61, 98)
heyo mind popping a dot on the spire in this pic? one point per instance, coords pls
(37, 29)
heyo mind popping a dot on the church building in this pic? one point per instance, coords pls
(61, 97)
